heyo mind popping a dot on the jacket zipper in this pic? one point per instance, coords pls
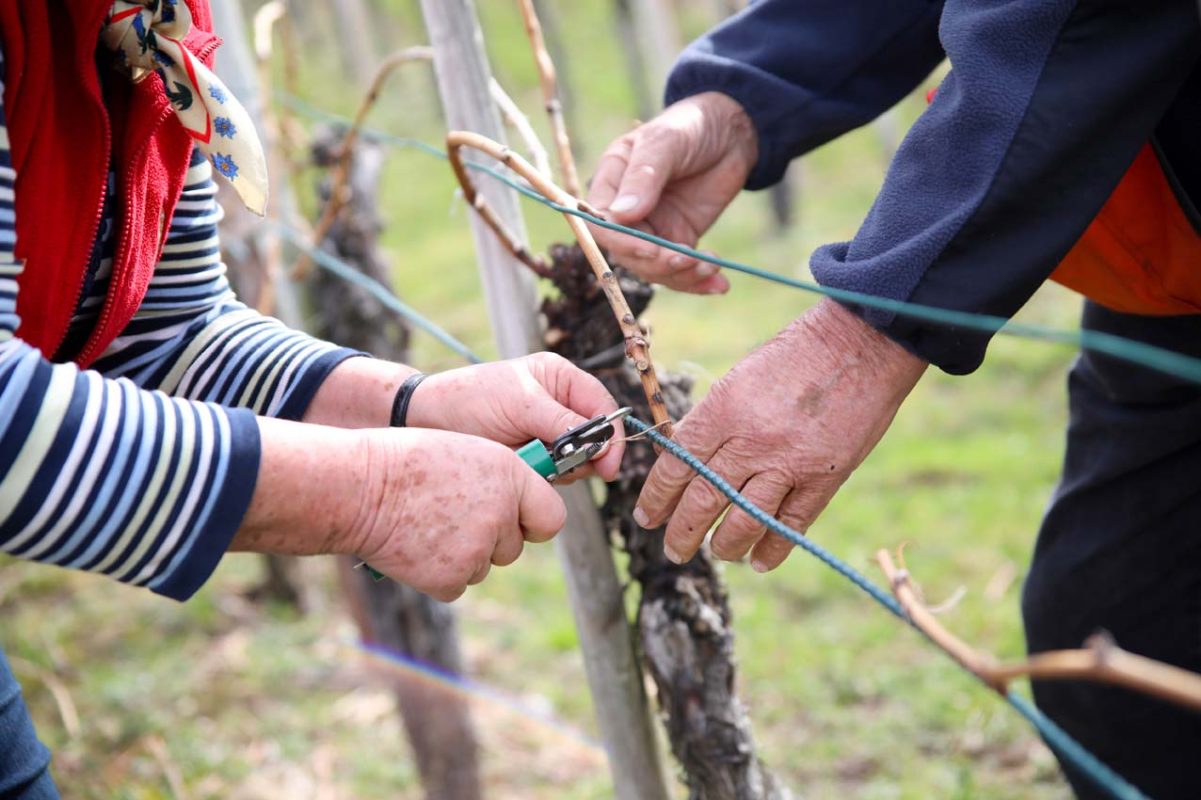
(88, 353)
(83, 277)
(91, 242)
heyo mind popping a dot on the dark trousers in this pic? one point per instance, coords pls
(24, 761)
(1120, 551)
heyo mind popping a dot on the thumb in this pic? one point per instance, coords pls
(541, 511)
(548, 419)
(569, 398)
(653, 161)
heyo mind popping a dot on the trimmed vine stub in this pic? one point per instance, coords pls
(637, 347)
(684, 624)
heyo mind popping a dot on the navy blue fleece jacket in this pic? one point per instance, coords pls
(1046, 105)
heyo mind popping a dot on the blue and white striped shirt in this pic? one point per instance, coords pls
(142, 467)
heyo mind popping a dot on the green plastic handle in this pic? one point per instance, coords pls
(538, 457)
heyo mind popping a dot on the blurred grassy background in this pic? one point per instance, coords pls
(220, 698)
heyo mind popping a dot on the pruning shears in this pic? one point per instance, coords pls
(572, 449)
(568, 451)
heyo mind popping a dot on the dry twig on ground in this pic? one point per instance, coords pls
(1101, 660)
(637, 346)
(171, 772)
(58, 690)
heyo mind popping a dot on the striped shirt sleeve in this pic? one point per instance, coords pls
(192, 338)
(143, 467)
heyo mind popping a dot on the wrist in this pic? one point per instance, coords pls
(424, 405)
(308, 496)
(358, 394)
(381, 481)
(433, 404)
(730, 119)
(403, 399)
(848, 336)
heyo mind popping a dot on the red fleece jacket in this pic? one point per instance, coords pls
(64, 139)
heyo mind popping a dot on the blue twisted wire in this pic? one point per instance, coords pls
(1056, 737)
(763, 518)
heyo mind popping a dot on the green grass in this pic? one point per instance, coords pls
(249, 702)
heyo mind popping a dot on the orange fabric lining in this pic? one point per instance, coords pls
(1141, 255)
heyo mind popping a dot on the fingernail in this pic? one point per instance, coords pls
(623, 203)
(679, 262)
(705, 270)
(672, 555)
(759, 566)
(641, 518)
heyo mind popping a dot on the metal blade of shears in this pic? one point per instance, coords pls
(580, 444)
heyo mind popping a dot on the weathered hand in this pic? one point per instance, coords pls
(673, 176)
(786, 426)
(539, 396)
(438, 509)
(433, 509)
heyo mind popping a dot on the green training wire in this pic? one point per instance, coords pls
(1140, 353)
(382, 293)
